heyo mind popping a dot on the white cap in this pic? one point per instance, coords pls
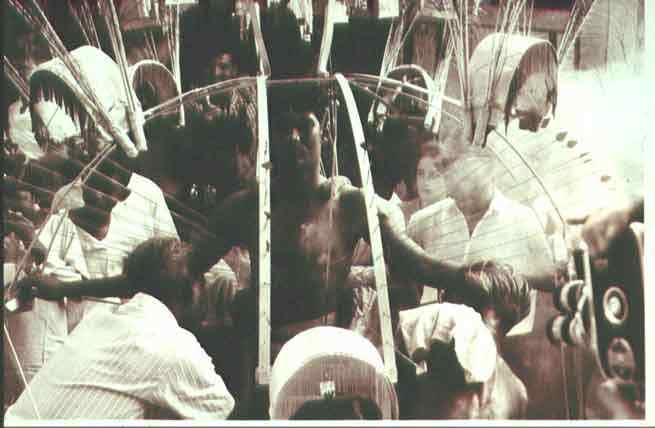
(474, 345)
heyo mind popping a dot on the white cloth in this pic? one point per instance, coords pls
(221, 284)
(37, 333)
(509, 232)
(103, 76)
(123, 360)
(474, 344)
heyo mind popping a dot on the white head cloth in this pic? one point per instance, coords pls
(104, 78)
(474, 344)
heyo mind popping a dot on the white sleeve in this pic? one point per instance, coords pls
(189, 386)
(65, 259)
(162, 220)
(540, 252)
(394, 212)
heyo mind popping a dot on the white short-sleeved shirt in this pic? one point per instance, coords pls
(122, 361)
(141, 216)
(509, 232)
(75, 254)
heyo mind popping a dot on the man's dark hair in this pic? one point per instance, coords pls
(339, 408)
(491, 284)
(148, 269)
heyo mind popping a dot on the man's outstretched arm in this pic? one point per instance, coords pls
(404, 257)
(49, 288)
(231, 223)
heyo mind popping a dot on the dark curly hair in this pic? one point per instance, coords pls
(150, 268)
(491, 284)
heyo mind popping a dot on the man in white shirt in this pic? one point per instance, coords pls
(135, 359)
(477, 221)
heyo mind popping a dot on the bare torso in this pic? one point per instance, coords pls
(312, 244)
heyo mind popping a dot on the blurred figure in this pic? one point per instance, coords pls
(477, 221)
(429, 182)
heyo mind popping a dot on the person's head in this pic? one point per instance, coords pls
(338, 408)
(160, 267)
(497, 292)
(393, 153)
(220, 67)
(296, 147)
(429, 183)
(468, 171)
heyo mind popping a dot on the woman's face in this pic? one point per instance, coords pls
(429, 183)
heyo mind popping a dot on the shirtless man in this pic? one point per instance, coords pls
(305, 275)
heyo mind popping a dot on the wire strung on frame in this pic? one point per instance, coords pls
(84, 17)
(16, 79)
(579, 13)
(172, 30)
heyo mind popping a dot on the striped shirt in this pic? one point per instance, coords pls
(122, 362)
(508, 232)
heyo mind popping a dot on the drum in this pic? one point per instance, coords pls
(325, 362)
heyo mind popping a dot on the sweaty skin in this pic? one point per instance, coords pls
(310, 256)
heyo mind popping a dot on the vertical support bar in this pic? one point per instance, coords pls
(264, 64)
(326, 40)
(264, 183)
(379, 264)
(177, 72)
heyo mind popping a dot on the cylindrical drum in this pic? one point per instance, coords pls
(329, 361)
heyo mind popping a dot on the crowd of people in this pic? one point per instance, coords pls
(139, 291)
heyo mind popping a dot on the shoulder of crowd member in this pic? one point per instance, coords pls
(429, 212)
(145, 187)
(235, 209)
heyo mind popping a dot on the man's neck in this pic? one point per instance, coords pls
(475, 208)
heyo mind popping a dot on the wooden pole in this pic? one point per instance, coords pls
(264, 219)
(379, 265)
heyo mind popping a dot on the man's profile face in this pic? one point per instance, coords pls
(298, 146)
